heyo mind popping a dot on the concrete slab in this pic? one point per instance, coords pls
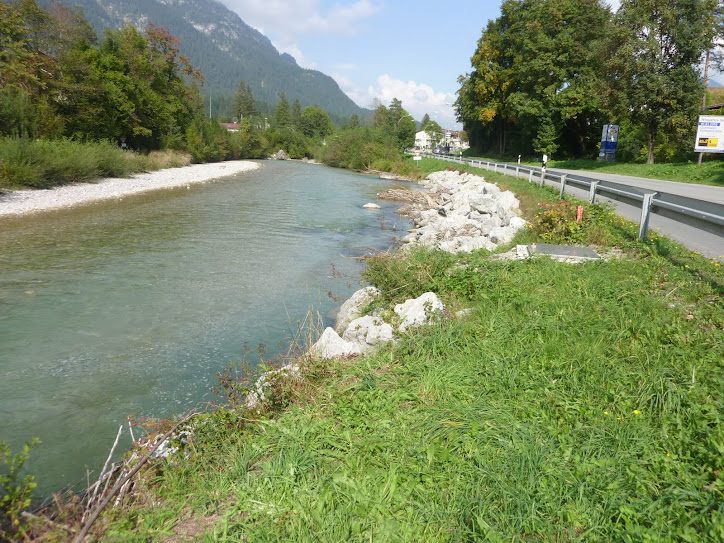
(563, 252)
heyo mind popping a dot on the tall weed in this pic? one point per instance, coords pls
(42, 164)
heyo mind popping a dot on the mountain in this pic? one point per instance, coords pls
(225, 49)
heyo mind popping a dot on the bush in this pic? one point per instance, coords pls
(14, 490)
(557, 222)
(43, 164)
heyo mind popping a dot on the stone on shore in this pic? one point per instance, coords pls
(368, 331)
(331, 345)
(418, 311)
(352, 308)
(281, 154)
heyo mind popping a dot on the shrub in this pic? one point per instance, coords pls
(14, 490)
(557, 222)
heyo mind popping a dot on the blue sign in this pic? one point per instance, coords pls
(609, 142)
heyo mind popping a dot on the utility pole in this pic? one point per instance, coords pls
(703, 100)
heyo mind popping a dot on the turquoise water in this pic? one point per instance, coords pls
(132, 306)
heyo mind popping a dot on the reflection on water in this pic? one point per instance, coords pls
(131, 306)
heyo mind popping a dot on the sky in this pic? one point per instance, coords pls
(380, 49)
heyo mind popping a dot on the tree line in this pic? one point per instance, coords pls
(548, 74)
(132, 88)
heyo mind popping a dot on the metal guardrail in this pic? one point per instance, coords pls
(703, 215)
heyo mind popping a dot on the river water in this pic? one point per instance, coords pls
(132, 306)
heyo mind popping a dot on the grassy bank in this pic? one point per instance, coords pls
(711, 172)
(42, 164)
(573, 403)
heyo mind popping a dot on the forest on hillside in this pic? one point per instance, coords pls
(224, 48)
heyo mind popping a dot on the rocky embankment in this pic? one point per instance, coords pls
(459, 212)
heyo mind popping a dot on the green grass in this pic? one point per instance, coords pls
(42, 164)
(575, 403)
(711, 172)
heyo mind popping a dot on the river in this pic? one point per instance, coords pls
(132, 306)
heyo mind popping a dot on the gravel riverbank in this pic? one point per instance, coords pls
(21, 202)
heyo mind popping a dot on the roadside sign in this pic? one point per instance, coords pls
(609, 142)
(710, 134)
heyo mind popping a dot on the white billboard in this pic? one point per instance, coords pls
(710, 134)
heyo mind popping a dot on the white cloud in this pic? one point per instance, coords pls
(416, 98)
(297, 54)
(285, 22)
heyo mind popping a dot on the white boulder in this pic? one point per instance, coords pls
(368, 331)
(352, 308)
(418, 311)
(331, 345)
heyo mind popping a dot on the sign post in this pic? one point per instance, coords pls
(710, 134)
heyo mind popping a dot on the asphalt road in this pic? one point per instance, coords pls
(708, 244)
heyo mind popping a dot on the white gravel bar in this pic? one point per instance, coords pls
(21, 202)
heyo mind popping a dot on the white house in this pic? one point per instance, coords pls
(422, 140)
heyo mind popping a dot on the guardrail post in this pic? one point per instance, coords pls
(542, 176)
(645, 214)
(505, 169)
(592, 192)
(563, 185)
(517, 172)
(530, 176)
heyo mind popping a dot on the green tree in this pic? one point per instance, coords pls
(146, 97)
(534, 76)
(23, 63)
(253, 142)
(353, 122)
(381, 118)
(244, 104)
(405, 131)
(315, 122)
(424, 121)
(396, 122)
(653, 65)
(296, 114)
(282, 115)
(27, 69)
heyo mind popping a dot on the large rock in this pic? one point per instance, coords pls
(419, 310)
(353, 306)
(280, 155)
(368, 331)
(330, 345)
